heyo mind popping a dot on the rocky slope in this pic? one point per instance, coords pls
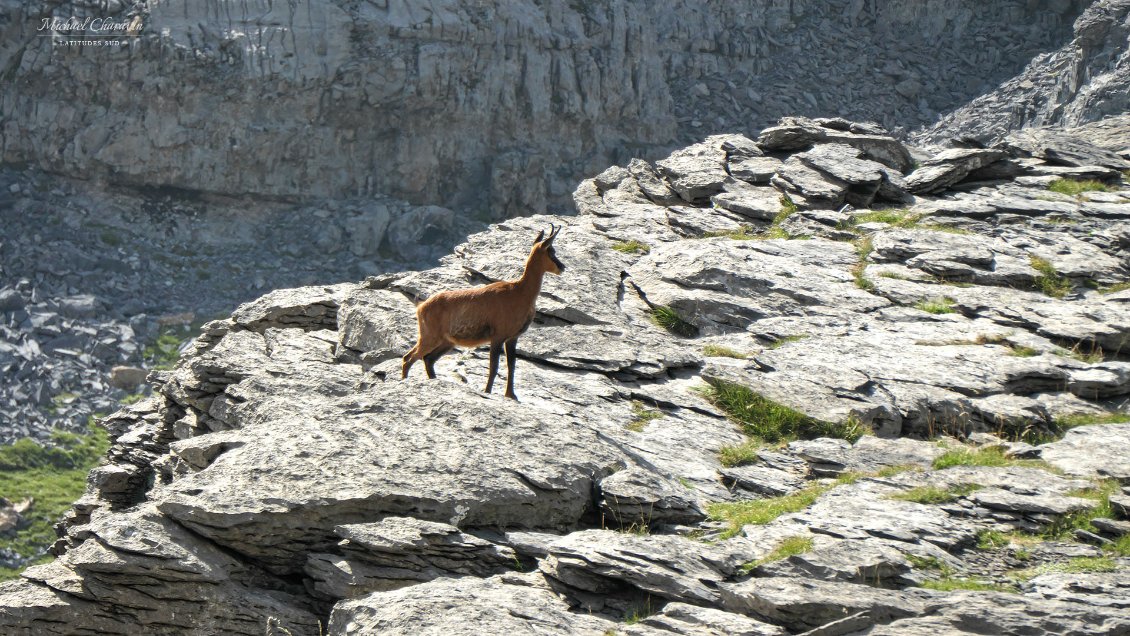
(282, 479)
(491, 106)
(1085, 81)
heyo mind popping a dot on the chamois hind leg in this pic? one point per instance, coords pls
(436, 354)
(495, 350)
(511, 357)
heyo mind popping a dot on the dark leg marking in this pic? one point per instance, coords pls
(511, 358)
(495, 351)
(430, 359)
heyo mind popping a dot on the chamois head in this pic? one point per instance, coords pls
(543, 252)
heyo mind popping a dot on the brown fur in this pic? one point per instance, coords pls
(496, 314)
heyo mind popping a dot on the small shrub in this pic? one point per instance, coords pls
(670, 320)
(631, 247)
(1076, 187)
(938, 305)
(739, 454)
(1048, 279)
(719, 351)
(789, 546)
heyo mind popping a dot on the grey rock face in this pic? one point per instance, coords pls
(1083, 81)
(464, 606)
(352, 89)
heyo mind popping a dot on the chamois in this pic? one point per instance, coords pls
(496, 313)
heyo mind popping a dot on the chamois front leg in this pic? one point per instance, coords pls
(495, 351)
(511, 357)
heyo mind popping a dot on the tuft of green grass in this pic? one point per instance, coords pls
(1071, 421)
(670, 320)
(898, 218)
(1092, 354)
(1112, 289)
(987, 456)
(789, 546)
(1076, 187)
(1100, 492)
(788, 208)
(164, 351)
(935, 495)
(631, 247)
(992, 539)
(641, 416)
(1020, 351)
(770, 421)
(937, 305)
(133, 398)
(863, 248)
(893, 275)
(1048, 279)
(743, 233)
(1120, 546)
(762, 511)
(1078, 565)
(639, 613)
(54, 476)
(930, 563)
(951, 584)
(898, 469)
(719, 351)
(739, 454)
(784, 340)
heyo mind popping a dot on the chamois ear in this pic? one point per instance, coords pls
(540, 235)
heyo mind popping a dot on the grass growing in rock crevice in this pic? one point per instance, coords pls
(863, 248)
(631, 247)
(1078, 565)
(164, 351)
(935, 495)
(762, 511)
(670, 320)
(54, 477)
(720, 351)
(1065, 526)
(1048, 280)
(987, 456)
(641, 416)
(739, 454)
(937, 305)
(789, 546)
(771, 421)
(1076, 187)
